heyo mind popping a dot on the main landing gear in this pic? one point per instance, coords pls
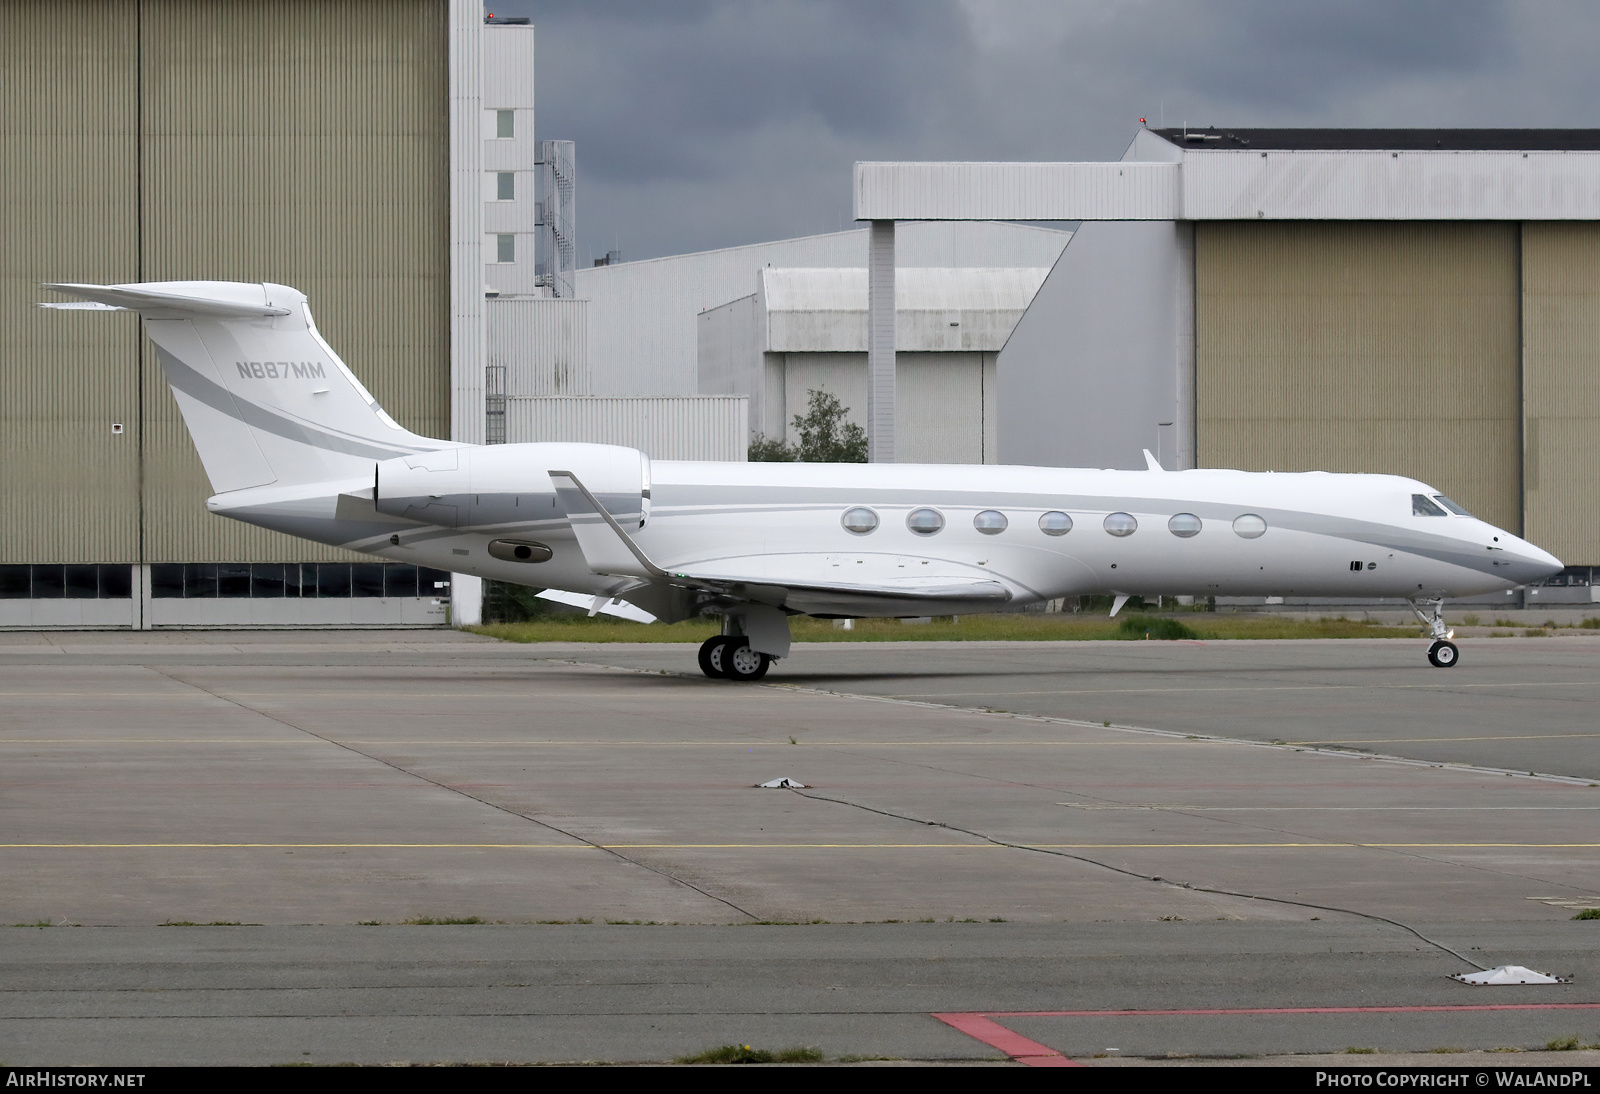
(1443, 653)
(729, 657)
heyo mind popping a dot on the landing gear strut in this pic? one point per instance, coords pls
(729, 657)
(1443, 653)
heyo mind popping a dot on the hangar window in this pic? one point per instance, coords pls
(505, 247)
(1422, 507)
(925, 522)
(1121, 524)
(1055, 524)
(990, 522)
(274, 580)
(1184, 525)
(505, 186)
(51, 581)
(505, 124)
(1249, 526)
(859, 520)
(1450, 505)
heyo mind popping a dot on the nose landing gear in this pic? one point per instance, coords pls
(1443, 654)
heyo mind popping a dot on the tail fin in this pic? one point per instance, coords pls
(265, 398)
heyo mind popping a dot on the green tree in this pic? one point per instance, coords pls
(826, 435)
(765, 449)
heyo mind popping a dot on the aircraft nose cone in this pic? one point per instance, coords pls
(1545, 564)
(1533, 564)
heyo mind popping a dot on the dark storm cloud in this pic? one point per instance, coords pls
(707, 123)
(664, 90)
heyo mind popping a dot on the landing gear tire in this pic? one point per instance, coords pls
(1443, 655)
(740, 662)
(711, 656)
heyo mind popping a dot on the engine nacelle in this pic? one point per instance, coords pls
(510, 483)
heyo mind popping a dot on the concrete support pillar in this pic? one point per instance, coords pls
(880, 342)
(467, 334)
(466, 600)
(1185, 417)
(141, 596)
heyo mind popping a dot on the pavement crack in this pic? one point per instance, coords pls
(1135, 874)
(668, 875)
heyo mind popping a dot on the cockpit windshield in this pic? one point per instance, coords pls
(1450, 505)
(1422, 507)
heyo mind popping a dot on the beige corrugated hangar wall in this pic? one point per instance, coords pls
(1464, 354)
(1561, 388)
(303, 142)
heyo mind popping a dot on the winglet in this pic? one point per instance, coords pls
(1151, 463)
(606, 548)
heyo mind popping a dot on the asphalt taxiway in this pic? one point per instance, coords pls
(974, 839)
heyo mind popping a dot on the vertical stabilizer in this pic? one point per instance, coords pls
(266, 400)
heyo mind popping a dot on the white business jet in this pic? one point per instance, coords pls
(292, 441)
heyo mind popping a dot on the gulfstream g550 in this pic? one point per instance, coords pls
(293, 442)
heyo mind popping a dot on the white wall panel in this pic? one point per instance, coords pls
(731, 361)
(642, 326)
(1094, 366)
(508, 69)
(541, 342)
(687, 427)
(1017, 191)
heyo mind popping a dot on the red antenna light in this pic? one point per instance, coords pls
(1141, 121)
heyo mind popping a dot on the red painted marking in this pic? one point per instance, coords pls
(980, 1025)
(1014, 1045)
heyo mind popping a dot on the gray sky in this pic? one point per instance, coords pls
(709, 123)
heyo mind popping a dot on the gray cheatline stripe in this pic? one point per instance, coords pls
(185, 379)
(719, 501)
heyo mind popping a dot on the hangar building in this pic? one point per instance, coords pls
(806, 329)
(1421, 302)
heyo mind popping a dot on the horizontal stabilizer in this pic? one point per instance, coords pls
(239, 301)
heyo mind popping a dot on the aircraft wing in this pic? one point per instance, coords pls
(811, 582)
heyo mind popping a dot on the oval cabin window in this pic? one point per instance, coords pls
(990, 522)
(1055, 524)
(859, 520)
(1184, 525)
(1249, 526)
(1121, 524)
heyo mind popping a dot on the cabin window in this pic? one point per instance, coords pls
(990, 522)
(859, 520)
(1422, 507)
(1121, 524)
(1450, 505)
(1055, 524)
(1184, 525)
(925, 522)
(1249, 526)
